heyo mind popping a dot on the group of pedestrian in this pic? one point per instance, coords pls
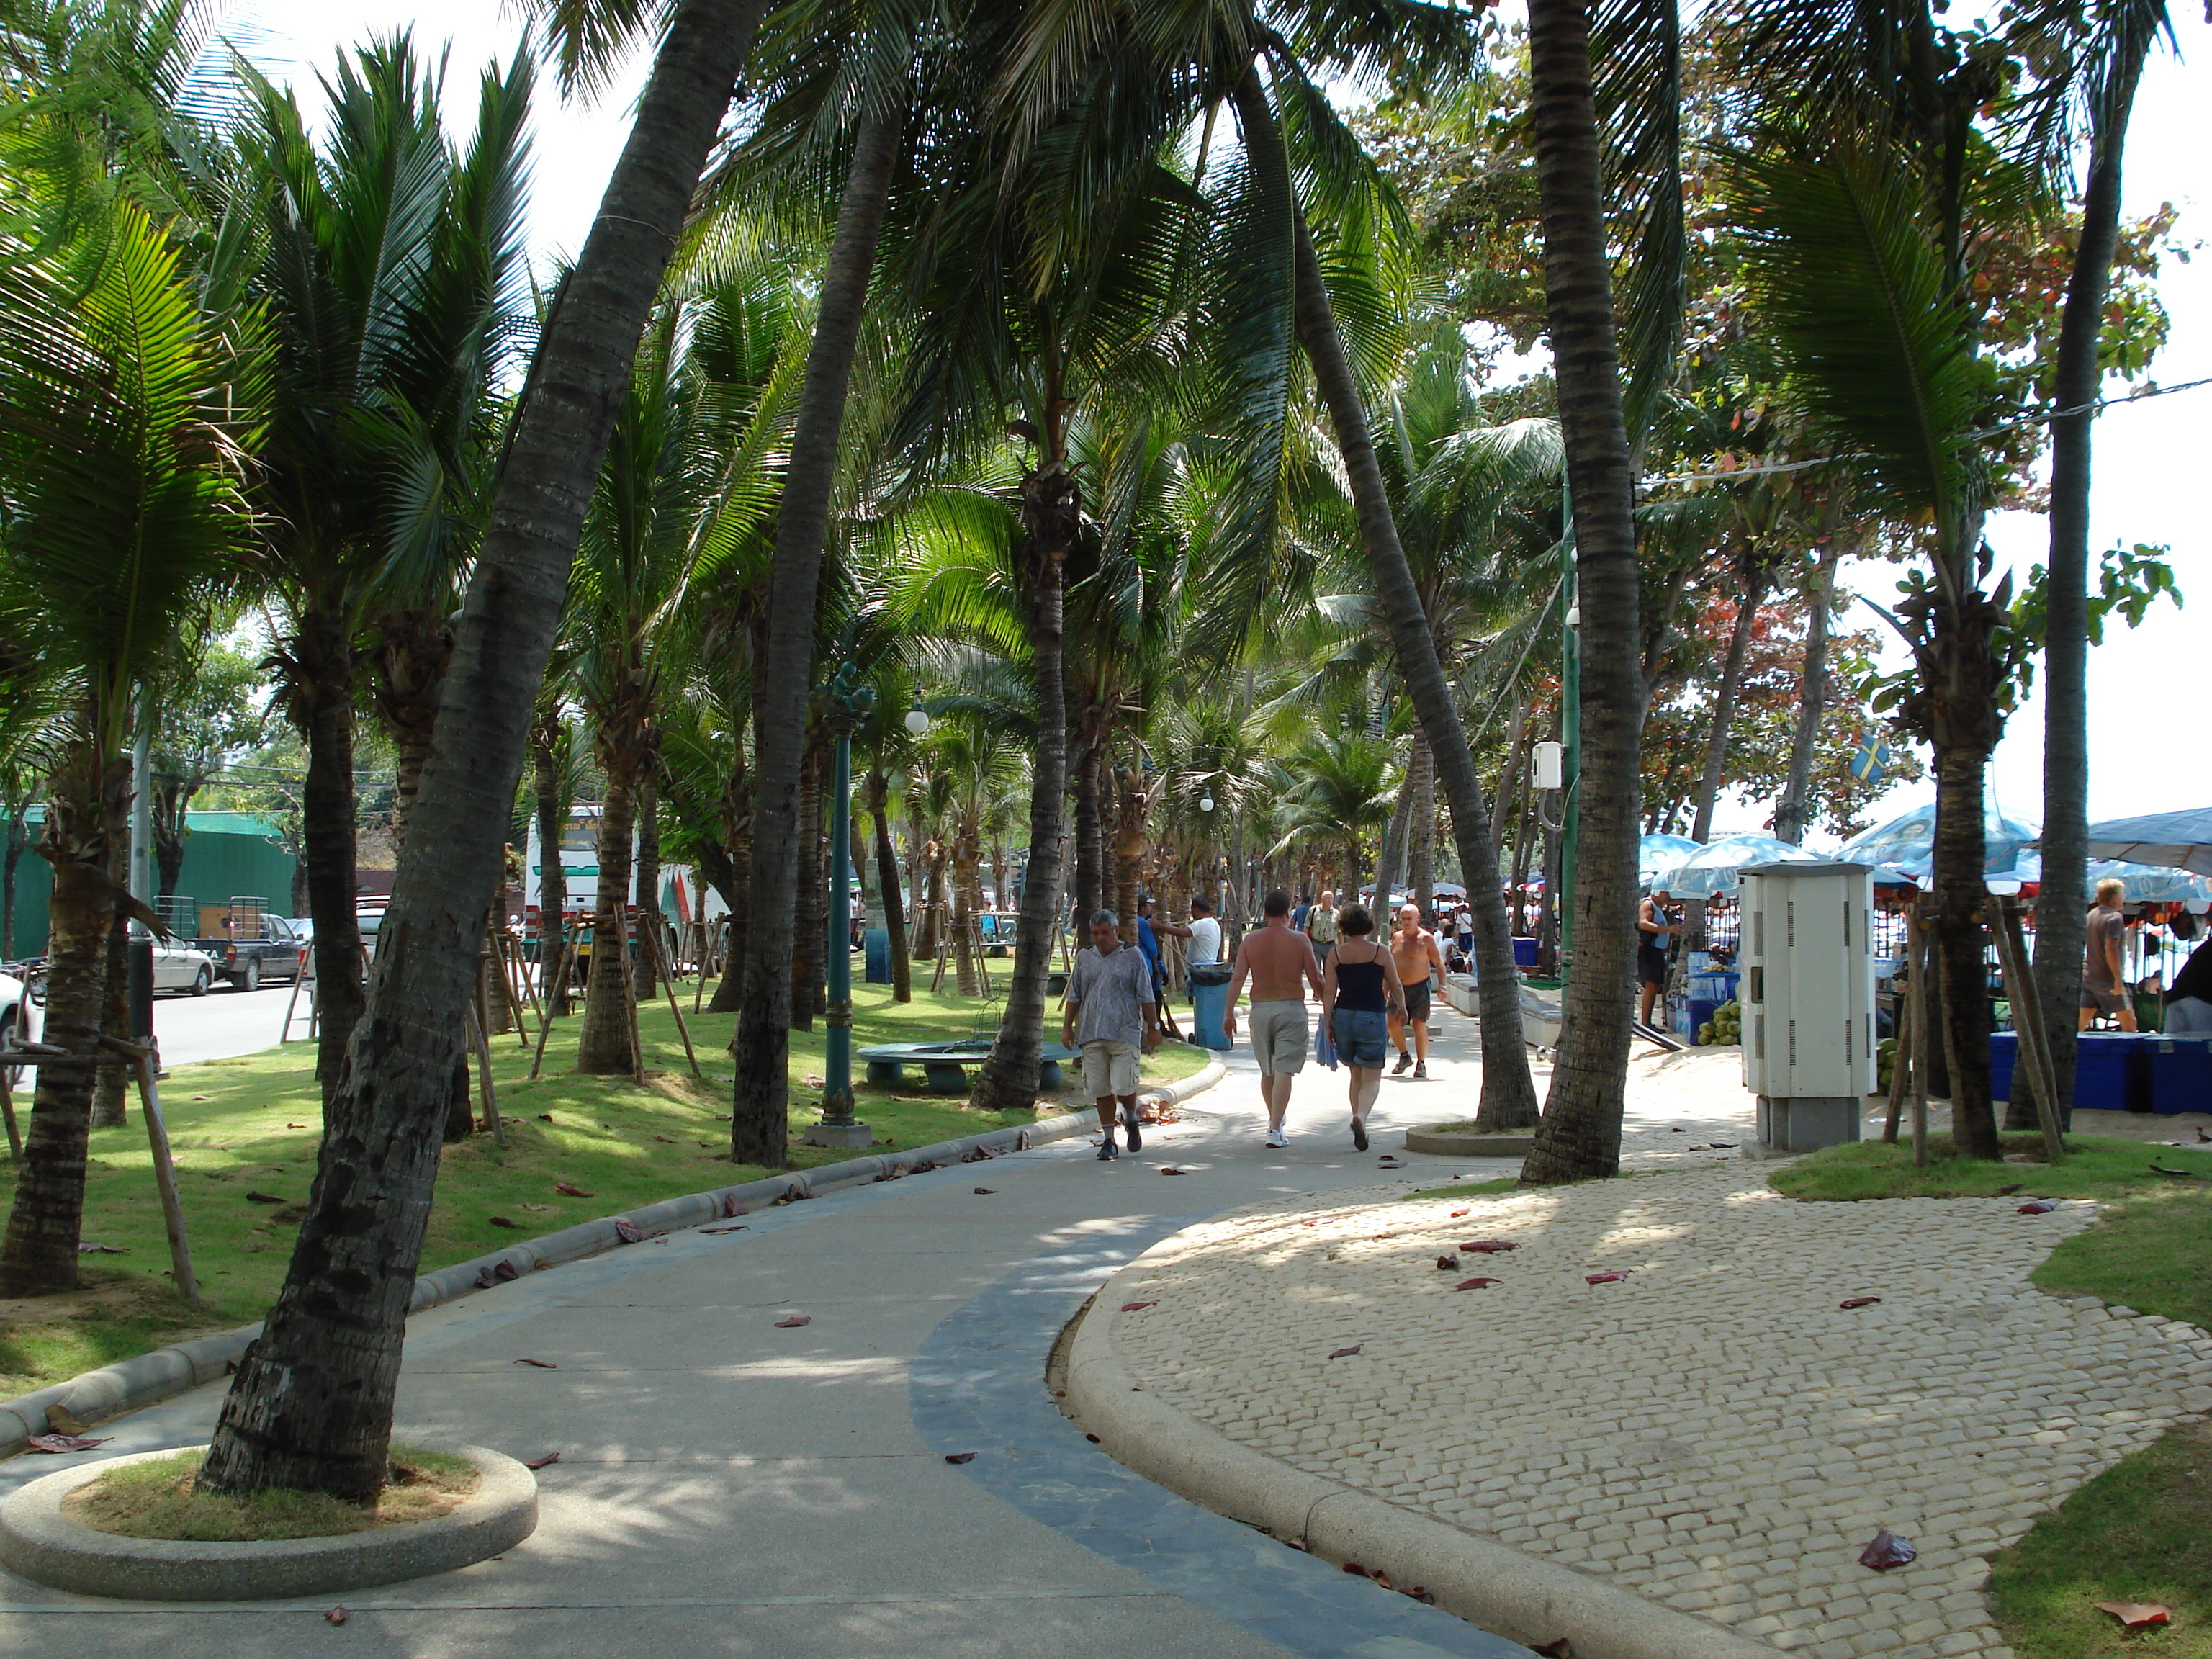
(1374, 995)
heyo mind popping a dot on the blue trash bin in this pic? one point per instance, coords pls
(1524, 953)
(1209, 1002)
(878, 941)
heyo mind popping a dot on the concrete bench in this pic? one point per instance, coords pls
(944, 1065)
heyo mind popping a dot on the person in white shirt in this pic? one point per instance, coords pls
(1204, 933)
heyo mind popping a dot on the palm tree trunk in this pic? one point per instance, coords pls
(603, 1049)
(1793, 813)
(760, 1118)
(1090, 832)
(2062, 910)
(1516, 768)
(311, 1406)
(1052, 512)
(729, 991)
(324, 709)
(1580, 1133)
(108, 1093)
(807, 919)
(1421, 830)
(87, 805)
(1708, 782)
(410, 660)
(887, 878)
(1962, 983)
(552, 883)
(1508, 1098)
(648, 874)
(1388, 866)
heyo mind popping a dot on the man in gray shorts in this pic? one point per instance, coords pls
(1280, 962)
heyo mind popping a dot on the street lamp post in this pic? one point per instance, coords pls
(848, 700)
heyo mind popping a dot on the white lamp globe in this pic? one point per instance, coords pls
(1206, 805)
(917, 720)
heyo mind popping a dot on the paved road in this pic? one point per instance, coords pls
(223, 1023)
(727, 1487)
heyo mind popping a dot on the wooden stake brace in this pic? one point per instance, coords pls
(2033, 1038)
(165, 1170)
(668, 983)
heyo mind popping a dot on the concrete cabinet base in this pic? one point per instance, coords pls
(1807, 1123)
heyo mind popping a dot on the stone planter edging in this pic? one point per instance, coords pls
(147, 1379)
(1507, 1591)
(39, 1543)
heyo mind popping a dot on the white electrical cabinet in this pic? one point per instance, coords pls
(1807, 995)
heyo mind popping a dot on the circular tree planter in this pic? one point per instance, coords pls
(1456, 1140)
(39, 1542)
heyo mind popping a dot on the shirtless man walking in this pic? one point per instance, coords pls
(1279, 961)
(1415, 948)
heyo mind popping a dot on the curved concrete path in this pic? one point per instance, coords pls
(727, 1487)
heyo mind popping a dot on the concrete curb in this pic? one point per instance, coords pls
(39, 1543)
(149, 1378)
(1514, 1595)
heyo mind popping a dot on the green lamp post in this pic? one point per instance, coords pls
(848, 700)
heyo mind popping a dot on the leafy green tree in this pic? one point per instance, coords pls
(212, 712)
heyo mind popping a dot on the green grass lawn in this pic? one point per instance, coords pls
(2142, 1531)
(252, 1125)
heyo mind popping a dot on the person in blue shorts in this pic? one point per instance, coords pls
(1359, 992)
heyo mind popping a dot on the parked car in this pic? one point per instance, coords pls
(271, 952)
(178, 966)
(20, 1009)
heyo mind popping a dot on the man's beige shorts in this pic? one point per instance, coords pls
(1109, 1068)
(1278, 1037)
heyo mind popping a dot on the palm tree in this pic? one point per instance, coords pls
(1858, 289)
(125, 413)
(311, 1406)
(389, 275)
(1343, 794)
(1580, 1136)
(2095, 83)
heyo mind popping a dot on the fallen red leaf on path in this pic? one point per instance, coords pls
(295, 1126)
(499, 1272)
(2137, 1615)
(545, 1117)
(1724, 1143)
(960, 1457)
(2037, 1206)
(1346, 1353)
(1489, 1246)
(337, 1616)
(985, 1192)
(1170, 1170)
(542, 1364)
(723, 1229)
(546, 1461)
(1354, 1566)
(568, 1191)
(1456, 1215)
(1559, 1648)
(794, 1321)
(65, 1442)
(1423, 1594)
(1092, 1438)
(1447, 1264)
(501, 1221)
(1136, 1307)
(1858, 1302)
(1603, 1279)
(1886, 1550)
(1384, 1579)
(1477, 1284)
(263, 1198)
(627, 1231)
(2007, 1191)
(730, 1205)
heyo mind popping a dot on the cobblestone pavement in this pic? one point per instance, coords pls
(1715, 1430)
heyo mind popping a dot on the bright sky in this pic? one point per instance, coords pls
(2151, 739)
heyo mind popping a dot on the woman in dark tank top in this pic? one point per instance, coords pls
(1359, 989)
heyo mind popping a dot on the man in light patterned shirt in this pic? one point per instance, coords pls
(1112, 1018)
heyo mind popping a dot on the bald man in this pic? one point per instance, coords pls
(1420, 966)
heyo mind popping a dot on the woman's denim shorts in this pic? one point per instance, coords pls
(1362, 1035)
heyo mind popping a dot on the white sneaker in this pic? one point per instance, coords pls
(1277, 1138)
